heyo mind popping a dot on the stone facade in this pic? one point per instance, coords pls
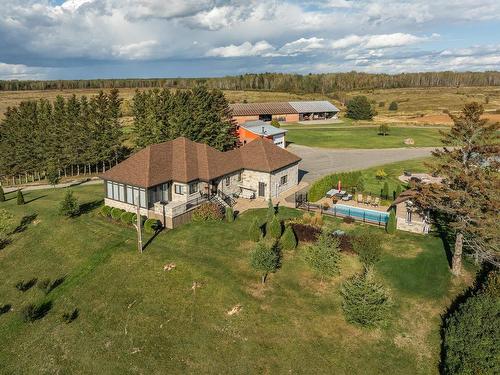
(416, 222)
(272, 181)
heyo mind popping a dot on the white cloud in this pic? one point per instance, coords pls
(20, 71)
(245, 49)
(378, 41)
(135, 51)
(302, 45)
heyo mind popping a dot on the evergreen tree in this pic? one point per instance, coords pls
(324, 255)
(359, 108)
(273, 228)
(390, 226)
(69, 206)
(255, 231)
(229, 214)
(265, 259)
(271, 210)
(288, 240)
(364, 301)
(20, 198)
(385, 190)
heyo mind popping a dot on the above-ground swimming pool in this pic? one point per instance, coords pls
(360, 213)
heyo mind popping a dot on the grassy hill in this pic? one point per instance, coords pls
(134, 317)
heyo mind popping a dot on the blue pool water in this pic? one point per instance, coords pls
(360, 213)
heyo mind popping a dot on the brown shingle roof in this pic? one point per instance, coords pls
(271, 108)
(183, 160)
(404, 196)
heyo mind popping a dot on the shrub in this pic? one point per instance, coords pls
(255, 230)
(265, 258)
(71, 316)
(319, 188)
(385, 190)
(345, 243)
(383, 129)
(368, 246)
(105, 211)
(127, 217)
(381, 104)
(208, 212)
(273, 228)
(229, 214)
(359, 108)
(288, 240)
(390, 227)
(324, 255)
(32, 312)
(69, 206)
(393, 106)
(364, 301)
(116, 213)
(20, 198)
(23, 286)
(275, 123)
(305, 233)
(317, 219)
(2, 194)
(152, 225)
(471, 332)
(348, 220)
(380, 174)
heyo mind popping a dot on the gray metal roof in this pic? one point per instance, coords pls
(262, 128)
(314, 106)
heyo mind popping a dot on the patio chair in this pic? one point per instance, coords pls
(368, 200)
(360, 198)
(376, 202)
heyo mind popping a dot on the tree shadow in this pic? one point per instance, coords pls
(34, 199)
(24, 286)
(5, 308)
(479, 281)
(90, 206)
(25, 221)
(152, 238)
(70, 317)
(4, 242)
(445, 233)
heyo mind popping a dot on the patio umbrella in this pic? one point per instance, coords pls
(339, 185)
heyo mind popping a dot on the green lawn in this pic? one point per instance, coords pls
(338, 136)
(137, 318)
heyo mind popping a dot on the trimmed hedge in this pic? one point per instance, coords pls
(208, 212)
(105, 211)
(127, 217)
(116, 213)
(152, 225)
(319, 188)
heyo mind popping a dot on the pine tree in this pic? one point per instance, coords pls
(265, 258)
(271, 210)
(385, 190)
(359, 108)
(20, 198)
(324, 255)
(255, 231)
(288, 240)
(364, 301)
(273, 228)
(69, 206)
(390, 226)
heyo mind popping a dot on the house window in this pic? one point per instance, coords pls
(228, 181)
(109, 189)
(178, 189)
(130, 195)
(239, 176)
(408, 216)
(193, 188)
(283, 180)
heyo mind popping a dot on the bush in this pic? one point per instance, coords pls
(345, 243)
(152, 225)
(383, 129)
(20, 198)
(359, 108)
(324, 255)
(23, 286)
(364, 301)
(471, 332)
(116, 213)
(208, 212)
(229, 214)
(273, 228)
(255, 230)
(105, 211)
(71, 316)
(381, 104)
(368, 246)
(319, 188)
(317, 219)
(69, 206)
(265, 258)
(348, 220)
(32, 312)
(380, 174)
(288, 240)
(305, 233)
(275, 123)
(390, 227)
(127, 217)
(2, 194)
(393, 106)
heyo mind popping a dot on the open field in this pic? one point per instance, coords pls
(136, 318)
(364, 137)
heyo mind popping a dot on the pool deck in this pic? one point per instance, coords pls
(353, 203)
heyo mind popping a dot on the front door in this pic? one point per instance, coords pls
(262, 189)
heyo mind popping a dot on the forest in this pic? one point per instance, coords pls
(74, 136)
(311, 83)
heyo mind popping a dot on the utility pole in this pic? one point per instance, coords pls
(138, 224)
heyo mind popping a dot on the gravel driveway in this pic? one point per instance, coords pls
(317, 162)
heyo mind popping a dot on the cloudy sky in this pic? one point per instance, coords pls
(56, 39)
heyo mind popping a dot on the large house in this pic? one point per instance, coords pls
(251, 130)
(284, 111)
(168, 180)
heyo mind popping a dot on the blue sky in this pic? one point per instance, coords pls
(76, 39)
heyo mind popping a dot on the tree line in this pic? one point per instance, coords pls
(199, 114)
(311, 83)
(68, 136)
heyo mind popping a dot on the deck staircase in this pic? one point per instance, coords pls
(223, 200)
